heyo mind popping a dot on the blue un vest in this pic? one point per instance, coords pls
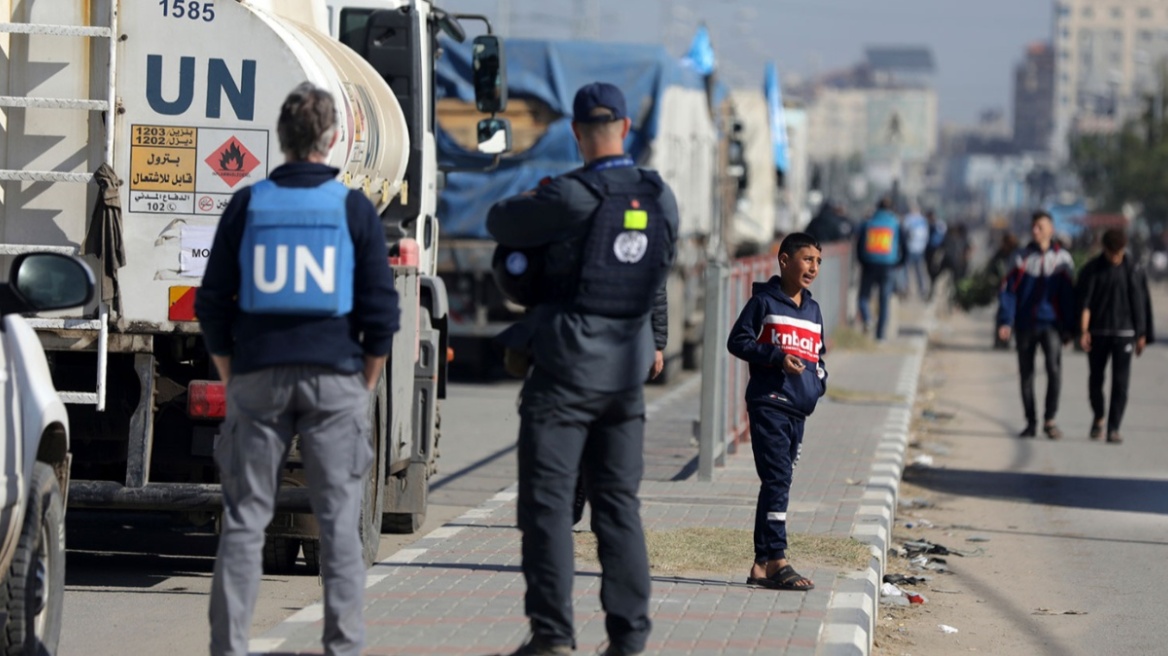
(881, 240)
(297, 255)
(623, 260)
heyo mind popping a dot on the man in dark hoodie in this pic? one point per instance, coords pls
(299, 353)
(1116, 321)
(780, 333)
(1037, 305)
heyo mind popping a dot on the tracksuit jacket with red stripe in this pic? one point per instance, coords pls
(770, 327)
(1039, 291)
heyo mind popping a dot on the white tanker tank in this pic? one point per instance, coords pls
(198, 88)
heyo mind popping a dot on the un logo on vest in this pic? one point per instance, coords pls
(516, 263)
(630, 246)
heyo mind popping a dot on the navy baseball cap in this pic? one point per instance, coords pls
(599, 95)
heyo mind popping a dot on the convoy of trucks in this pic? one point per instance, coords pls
(681, 127)
(127, 126)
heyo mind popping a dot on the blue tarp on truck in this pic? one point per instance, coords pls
(551, 72)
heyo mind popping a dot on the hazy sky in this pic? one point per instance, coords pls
(975, 43)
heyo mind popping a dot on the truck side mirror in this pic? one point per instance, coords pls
(50, 281)
(490, 74)
(494, 136)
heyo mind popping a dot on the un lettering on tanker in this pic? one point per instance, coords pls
(797, 337)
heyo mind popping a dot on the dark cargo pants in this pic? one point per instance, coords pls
(775, 438)
(564, 431)
(264, 410)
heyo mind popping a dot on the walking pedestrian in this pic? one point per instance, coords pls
(780, 333)
(1036, 304)
(880, 249)
(934, 255)
(297, 359)
(613, 229)
(1116, 322)
(916, 230)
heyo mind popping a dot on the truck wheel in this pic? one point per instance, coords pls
(280, 555)
(371, 503)
(35, 586)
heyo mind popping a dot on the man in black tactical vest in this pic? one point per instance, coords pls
(612, 229)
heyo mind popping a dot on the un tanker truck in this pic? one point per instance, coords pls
(672, 132)
(128, 124)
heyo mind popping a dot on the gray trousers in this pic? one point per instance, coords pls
(264, 410)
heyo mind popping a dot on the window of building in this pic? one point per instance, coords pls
(1145, 12)
(1063, 10)
(1117, 12)
(1145, 35)
(1088, 12)
(1117, 36)
(1064, 101)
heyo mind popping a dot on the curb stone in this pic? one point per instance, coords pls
(852, 611)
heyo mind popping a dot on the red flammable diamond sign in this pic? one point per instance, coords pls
(232, 162)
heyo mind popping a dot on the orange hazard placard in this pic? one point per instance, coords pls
(879, 241)
(182, 304)
(232, 161)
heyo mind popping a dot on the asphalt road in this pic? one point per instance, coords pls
(139, 585)
(1076, 528)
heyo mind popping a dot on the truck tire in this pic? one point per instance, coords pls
(35, 586)
(371, 502)
(280, 555)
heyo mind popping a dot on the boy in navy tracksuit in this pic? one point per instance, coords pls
(780, 333)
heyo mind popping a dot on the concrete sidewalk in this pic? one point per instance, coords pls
(459, 589)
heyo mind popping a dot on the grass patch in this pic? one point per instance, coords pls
(846, 338)
(845, 395)
(729, 551)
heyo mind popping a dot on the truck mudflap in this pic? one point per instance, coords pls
(170, 496)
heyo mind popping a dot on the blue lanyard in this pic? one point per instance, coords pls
(614, 163)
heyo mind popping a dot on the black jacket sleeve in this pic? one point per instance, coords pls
(376, 314)
(216, 302)
(660, 316)
(549, 213)
(660, 319)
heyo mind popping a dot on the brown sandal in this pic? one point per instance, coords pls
(1052, 431)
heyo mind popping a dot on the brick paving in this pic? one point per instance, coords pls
(459, 589)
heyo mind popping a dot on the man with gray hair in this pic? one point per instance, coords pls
(300, 354)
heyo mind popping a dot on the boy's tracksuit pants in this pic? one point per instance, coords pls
(775, 438)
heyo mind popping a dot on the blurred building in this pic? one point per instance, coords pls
(1107, 57)
(879, 116)
(1034, 99)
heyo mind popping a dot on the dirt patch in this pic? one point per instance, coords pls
(727, 551)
